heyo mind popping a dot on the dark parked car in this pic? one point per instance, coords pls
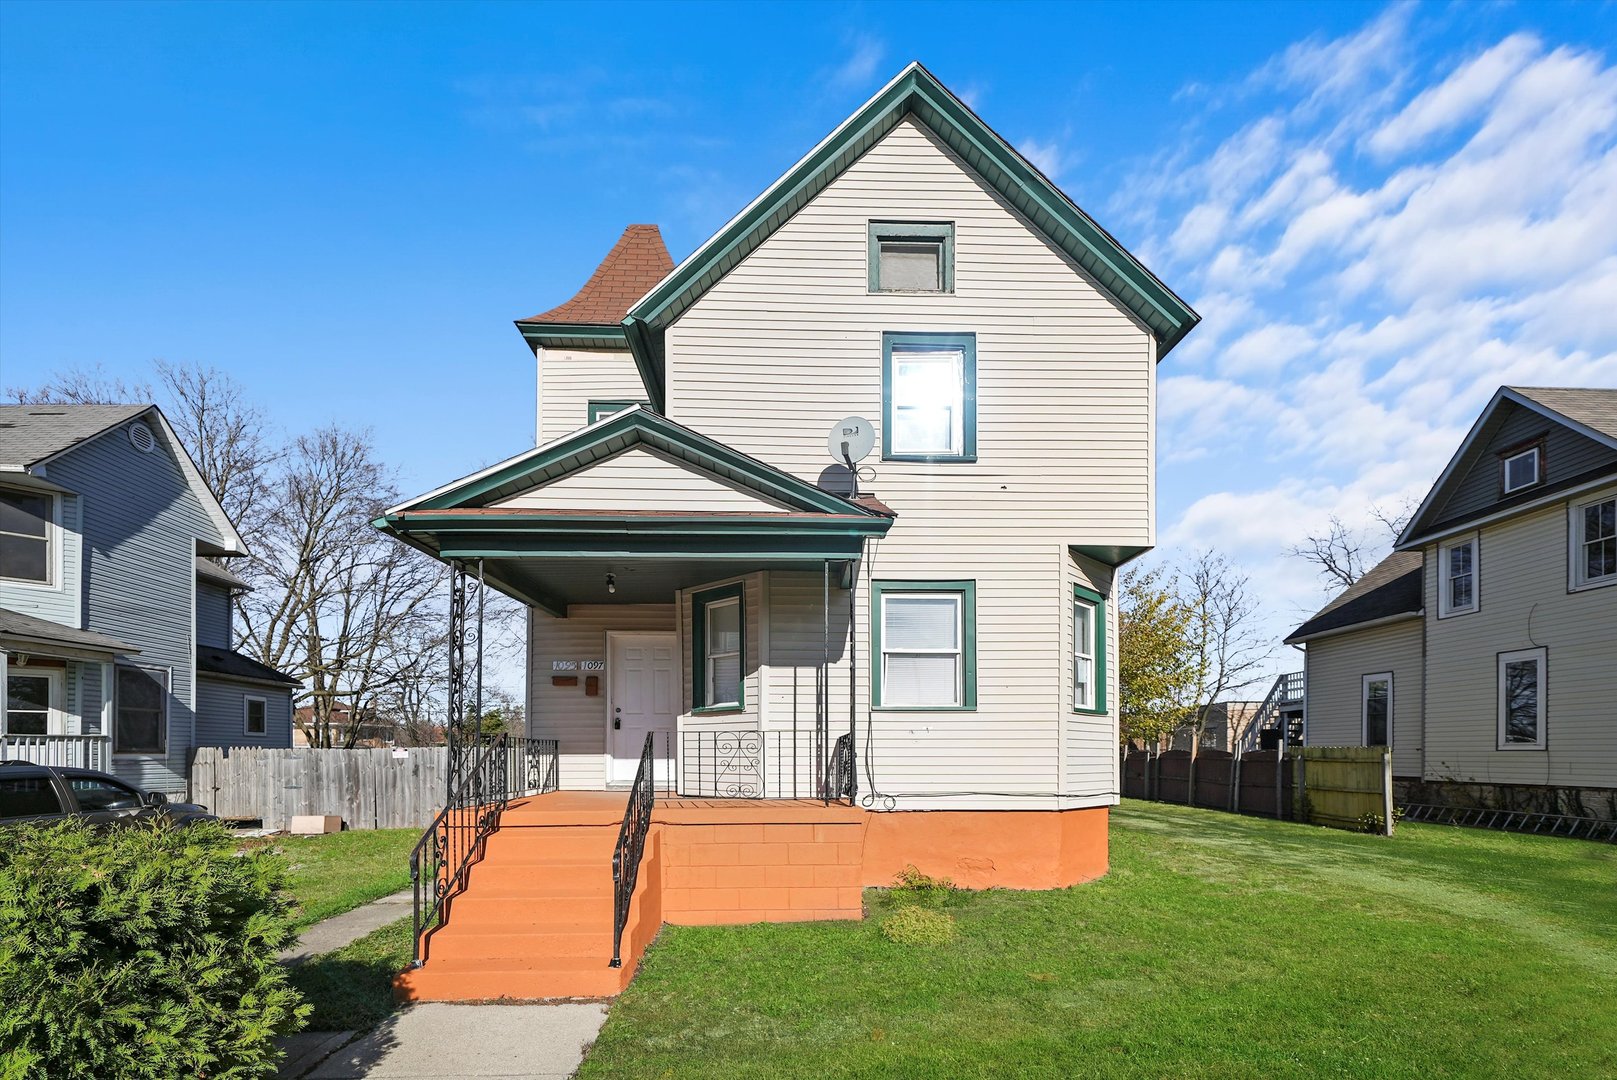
(30, 792)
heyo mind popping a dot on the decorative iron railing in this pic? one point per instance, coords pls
(483, 778)
(781, 764)
(631, 845)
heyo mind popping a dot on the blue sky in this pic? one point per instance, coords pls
(1381, 212)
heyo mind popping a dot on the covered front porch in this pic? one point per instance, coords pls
(58, 687)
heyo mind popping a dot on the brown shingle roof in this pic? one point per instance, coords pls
(636, 262)
(1392, 587)
(1592, 407)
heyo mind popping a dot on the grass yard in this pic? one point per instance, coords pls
(351, 989)
(1218, 946)
(340, 871)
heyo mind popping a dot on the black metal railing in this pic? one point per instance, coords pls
(483, 778)
(755, 764)
(631, 844)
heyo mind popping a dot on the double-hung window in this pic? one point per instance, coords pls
(254, 714)
(1377, 709)
(1457, 577)
(1522, 693)
(911, 256)
(1521, 469)
(1088, 651)
(929, 397)
(30, 704)
(1594, 543)
(924, 646)
(719, 647)
(140, 724)
(25, 536)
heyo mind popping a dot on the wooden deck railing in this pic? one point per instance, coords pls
(66, 751)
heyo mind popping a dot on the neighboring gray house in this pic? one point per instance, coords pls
(1483, 650)
(115, 625)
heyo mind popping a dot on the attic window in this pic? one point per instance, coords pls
(911, 256)
(1521, 468)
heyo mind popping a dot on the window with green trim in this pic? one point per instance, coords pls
(911, 256)
(924, 645)
(600, 410)
(718, 647)
(929, 397)
(1088, 650)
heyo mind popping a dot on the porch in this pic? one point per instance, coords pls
(57, 683)
(62, 751)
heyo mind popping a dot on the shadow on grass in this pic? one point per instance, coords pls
(351, 989)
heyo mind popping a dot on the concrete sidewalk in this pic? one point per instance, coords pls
(350, 926)
(437, 1040)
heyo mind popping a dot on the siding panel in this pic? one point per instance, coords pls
(1336, 667)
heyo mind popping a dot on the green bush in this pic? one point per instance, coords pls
(910, 886)
(141, 952)
(912, 925)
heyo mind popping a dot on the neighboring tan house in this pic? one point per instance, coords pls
(115, 622)
(372, 733)
(1226, 724)
(702, 568)
(1483, 650)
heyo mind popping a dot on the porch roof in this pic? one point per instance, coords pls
(25, 633)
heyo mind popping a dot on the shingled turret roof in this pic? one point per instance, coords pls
(637, 262)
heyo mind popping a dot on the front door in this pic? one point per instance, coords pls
(642, 698)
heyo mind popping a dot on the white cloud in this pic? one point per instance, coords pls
(861, 64)
(1047, 157)
(1457, 98)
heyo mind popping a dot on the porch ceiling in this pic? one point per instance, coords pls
(553, 584)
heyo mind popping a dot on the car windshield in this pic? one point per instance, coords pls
(25, 796)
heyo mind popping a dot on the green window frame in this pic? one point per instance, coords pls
(1086, 602)
(940, 233)
(967, 591)
(700, 603)
(600, 410)
(904, 342)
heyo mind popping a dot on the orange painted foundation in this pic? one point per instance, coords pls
(535, 919)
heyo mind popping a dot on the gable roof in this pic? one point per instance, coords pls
(914, 92)
(1389, 590)
(32, 435)
(1589, 411)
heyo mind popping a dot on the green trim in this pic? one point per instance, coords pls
(597, 410)
(1097, 603)
(647, 350)
(606, 524)
(915, 92)
(968, 644)
(573, 335)
(909, 230)
(700, 602)
(967, 344)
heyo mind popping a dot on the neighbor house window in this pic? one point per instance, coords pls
(1522, 692)
(1522, 468)
(1457, 577)
(924, 646)
(254, 710)
(911, 256)
(929, 396)
(1088, 651)
(29, 700)
(1594, 543)
(600, 410)
(25, 536)
(1378, 709)
(140, 724)
(719, 647)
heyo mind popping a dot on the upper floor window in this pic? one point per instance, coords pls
(911, 256)
(1594, 543)
(1457, 577)
(1522, 469)
(929, 397)
(25, 536)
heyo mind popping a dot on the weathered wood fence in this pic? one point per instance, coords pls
(368, 789)
(1346, 787)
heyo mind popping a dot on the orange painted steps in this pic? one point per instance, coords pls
(535, 921)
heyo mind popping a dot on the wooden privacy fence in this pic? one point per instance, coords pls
(368, 789)
(1346, 787)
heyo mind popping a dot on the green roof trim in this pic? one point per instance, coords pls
(573, 335)
(915, 92)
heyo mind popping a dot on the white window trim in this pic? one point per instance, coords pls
(53, 545)
(958, 652)
(1576, 582)
(1364, 707)
(1538, 470)
(55, 694)
(1444, 610)
(709, 654)
(1088, 607)
(168, 692)
(245, 702)
(1542, 657)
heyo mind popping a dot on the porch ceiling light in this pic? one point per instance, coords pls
(611, 583)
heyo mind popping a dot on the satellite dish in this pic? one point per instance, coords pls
(850, 440)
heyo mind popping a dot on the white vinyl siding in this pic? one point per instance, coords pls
(641, 479)
(1065, 383)
(569, 379)
(1336, 668)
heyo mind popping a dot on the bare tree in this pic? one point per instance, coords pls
(228, 437)
(1338, 553)
(1228, 647)
(350, 612)
(80, 386)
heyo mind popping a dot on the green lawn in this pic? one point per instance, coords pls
(351, 989)
(338, 872)
(1218, 946)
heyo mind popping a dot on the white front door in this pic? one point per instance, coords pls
(642, 697)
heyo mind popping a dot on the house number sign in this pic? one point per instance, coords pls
(578, 665)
